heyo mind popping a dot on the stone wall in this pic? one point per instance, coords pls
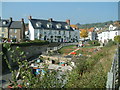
(36, 50)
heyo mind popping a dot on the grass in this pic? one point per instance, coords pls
(83, 50)
(94, 69)
(67, 49)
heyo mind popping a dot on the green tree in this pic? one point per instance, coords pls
(117, 38)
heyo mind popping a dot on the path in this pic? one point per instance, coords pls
(74, 51)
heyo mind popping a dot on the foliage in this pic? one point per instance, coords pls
(110, 43)
(84, 34)
(90, 72)
(33, 42)
(94, 43)
(94, 25)
(29, 80)
(117, 38)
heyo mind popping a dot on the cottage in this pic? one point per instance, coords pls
(4, 27)
(17, 30)
(12, 29)
(52, 31)
(106, 35)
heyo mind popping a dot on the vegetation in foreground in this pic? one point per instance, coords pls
(92, 72)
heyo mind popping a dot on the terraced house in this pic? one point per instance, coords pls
(17, 30)
(12, 29)
(4, 27)
(52, 31)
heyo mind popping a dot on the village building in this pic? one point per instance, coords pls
(52, 31)
(107, 35)
(10, 29)
(17, 30)
(4, 27)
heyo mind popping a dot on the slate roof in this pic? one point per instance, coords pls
(4, 25)
(16, 25)
(45, 22)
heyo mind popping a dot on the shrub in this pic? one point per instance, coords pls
(117, 39)
(110, 43)
(34, 42)
(94, 43)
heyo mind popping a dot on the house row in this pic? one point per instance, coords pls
(50, 30)
(109, 34)
(12, 29)
(92, 34)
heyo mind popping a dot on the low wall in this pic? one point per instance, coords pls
(35, 50)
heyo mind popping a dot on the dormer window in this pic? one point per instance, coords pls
(49, 25)
(67, 27)
(58, 26)
(4, 22)
(38, 24)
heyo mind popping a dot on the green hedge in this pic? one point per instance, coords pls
(111, 43)
(34, 42)
(94, 43)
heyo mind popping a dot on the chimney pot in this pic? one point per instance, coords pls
(22, 20)
(50, 19)
(10, 19)
(68, 21)
(30, 17)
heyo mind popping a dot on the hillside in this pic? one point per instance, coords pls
(99, 25)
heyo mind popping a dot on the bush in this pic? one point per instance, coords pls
(94, 43)
(117, 39)
(34, 42)
(110, 43)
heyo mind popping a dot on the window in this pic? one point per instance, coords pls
(67, 27)
(58, 26)
(115, 33)
(49, 25)
(15, 31)
(4, 22)
(55, 32)
(64, 32)
(2, 35)
(11, 36)
(59, 32)
(38, 24)
(14, 36)
(3, 30)
(45, 33)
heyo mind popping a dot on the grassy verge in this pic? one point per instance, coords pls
(92, 72)
(67, 49)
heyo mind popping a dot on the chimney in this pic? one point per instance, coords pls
(50, 20)
(10, 20)
(68, 21)
(22, 20)
(30, 17)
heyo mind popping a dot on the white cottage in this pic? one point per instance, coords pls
(52, 31)
(109, 34)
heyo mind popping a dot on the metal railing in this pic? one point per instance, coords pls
(113, 75)
(60, 46)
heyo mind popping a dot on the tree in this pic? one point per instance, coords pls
(84, 34)
(117, 38)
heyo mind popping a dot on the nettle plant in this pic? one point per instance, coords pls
(28, 80)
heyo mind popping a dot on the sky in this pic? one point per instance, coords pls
(77, 12)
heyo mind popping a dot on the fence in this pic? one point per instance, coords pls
(59, 47)
(113, 75)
